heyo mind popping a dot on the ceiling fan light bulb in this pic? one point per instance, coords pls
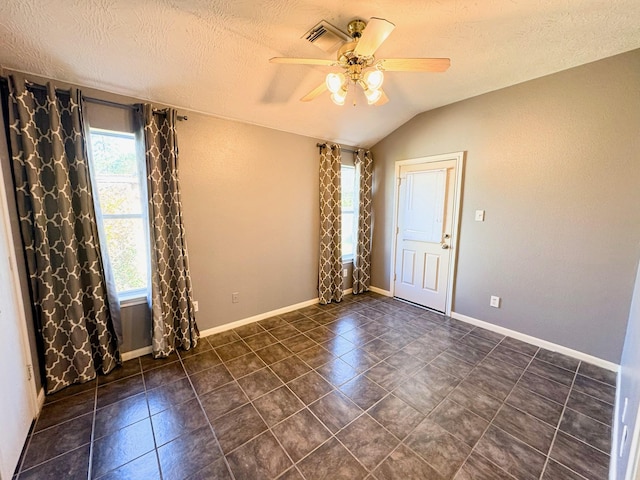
(372, 95)
(374, 79)
(334, 81)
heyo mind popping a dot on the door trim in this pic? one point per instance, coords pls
(19, 306)
(459, 158)
(33, 401)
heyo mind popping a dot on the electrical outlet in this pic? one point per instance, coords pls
(345, 272)
(195, 306)
(495, 302)
(235, 297)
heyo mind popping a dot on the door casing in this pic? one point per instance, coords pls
(30, 405)
(459, 158)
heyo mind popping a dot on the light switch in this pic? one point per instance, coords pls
(479, 215)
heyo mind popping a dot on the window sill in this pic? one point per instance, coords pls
(133, 300)
(347, 259)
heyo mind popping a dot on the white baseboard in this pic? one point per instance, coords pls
(256, 318)
(238, 323)
(380, 291)
(140, 352)
(538, 342)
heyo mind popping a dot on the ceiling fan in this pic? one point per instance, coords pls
(359, 65)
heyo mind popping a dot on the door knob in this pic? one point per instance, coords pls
(444, 246)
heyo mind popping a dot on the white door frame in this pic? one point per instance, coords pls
(34, 402)
(459, 158)
(17, 297)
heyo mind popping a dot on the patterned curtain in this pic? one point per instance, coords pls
(173, 319)
(59, 233)
(330, 266)
(362, 257)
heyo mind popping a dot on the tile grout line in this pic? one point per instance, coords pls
(434, 408)
(268, 366)
(93, 439)
(498, 410)
(146, 399)
(204, 412)
(269, 428)
(32, 432)
(19, 468)
(401, 443)
(306, 406)
(557, 429)
(93, 424)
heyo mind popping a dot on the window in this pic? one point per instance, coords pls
(349, 205)
(118, 179)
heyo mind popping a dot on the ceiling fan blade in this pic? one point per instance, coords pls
(414, 64)
(376, 32)
(383, 99)
(303, 61)
(314, 93)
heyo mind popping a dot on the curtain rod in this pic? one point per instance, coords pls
(108, 103)
(129, 106)
(320, 145)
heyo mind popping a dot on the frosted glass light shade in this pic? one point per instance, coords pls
(372, 95)
(339, 97)
(334, 81)
(374, 79)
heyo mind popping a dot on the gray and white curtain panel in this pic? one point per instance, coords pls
(59, 233)
(173, 319)
(362, 255)
(330, 265)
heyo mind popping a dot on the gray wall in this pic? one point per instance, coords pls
(251, 213)
(554, 162)
(629, 386)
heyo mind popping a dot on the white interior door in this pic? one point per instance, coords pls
(17, 402)
(425, 228)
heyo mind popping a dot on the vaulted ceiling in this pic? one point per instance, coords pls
(212, 56)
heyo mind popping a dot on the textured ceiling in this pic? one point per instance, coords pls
(212, 56)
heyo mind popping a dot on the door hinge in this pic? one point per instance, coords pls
(29, 372)
(394, 277)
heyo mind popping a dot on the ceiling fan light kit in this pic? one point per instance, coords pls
(359, 64)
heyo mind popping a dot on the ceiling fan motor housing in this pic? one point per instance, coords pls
(355, 28)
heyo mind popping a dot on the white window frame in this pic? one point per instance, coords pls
(347, 258)
(140, 295)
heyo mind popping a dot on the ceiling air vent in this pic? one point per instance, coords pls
(326, 37)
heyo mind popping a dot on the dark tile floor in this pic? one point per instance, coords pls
(370, 388)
